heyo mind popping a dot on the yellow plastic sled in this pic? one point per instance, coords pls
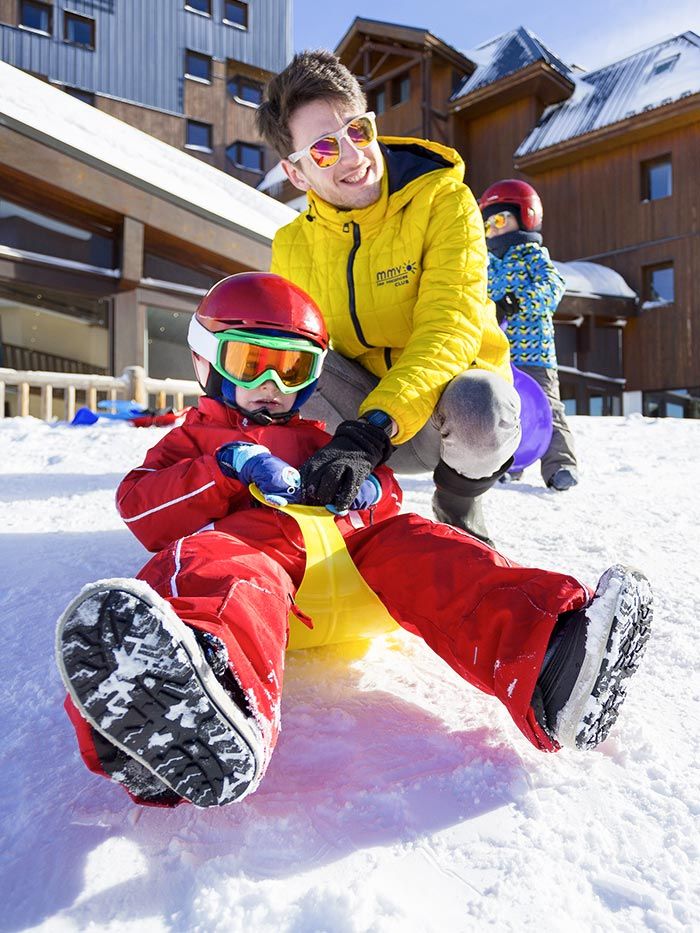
(333, 594)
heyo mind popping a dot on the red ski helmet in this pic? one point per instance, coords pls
(511, 192)
(259, 302)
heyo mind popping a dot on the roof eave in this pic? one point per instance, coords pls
(648, 123)
(520, 83)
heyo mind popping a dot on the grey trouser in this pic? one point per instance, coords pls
(474, 429)
(560, 452)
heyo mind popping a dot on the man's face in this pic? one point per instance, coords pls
(355, 179)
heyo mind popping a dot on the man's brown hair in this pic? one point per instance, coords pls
(310, 76)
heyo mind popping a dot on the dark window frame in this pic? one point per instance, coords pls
(198, 147)
(235, 147)
(379, 107)
(201, 56)
(646, 168)
(236, 81)
(46, 7)
(647, 283)
(239, 5)
(69, 16)
(397, 85)
(193, 9)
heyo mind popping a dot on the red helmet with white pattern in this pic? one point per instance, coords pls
(513, 193)
(258, 302)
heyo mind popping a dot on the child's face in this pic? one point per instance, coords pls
(498, 224)
(266, 396)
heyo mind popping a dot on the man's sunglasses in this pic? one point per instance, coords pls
(247, 360)
(361, 131)
(497, 221)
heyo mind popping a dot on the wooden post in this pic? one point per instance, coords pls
(23, 399)
(46, 407)
(2, 399)
(136, 377)
(161, 400)
(69, 402)
(91, 397)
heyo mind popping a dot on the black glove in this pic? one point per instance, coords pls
(507, 306)
(334, 474)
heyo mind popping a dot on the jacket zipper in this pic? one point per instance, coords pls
(351, 282)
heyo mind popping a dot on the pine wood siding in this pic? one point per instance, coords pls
(594, 210)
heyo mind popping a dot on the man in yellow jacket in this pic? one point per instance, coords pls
(392, 248)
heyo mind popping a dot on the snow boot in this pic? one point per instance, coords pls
(592, 652)
(564, 478)
(137, 674)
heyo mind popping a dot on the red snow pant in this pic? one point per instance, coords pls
(488, 618)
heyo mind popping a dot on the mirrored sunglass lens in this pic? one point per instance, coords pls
(325, 151)
(361, 132)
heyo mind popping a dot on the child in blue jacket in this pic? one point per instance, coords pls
(526, 287)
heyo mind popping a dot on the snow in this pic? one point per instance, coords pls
(36, 108)
(398, 798)
(592, 279)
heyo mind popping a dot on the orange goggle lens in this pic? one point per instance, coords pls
(326, 152)
(246, 362)
(497, 221)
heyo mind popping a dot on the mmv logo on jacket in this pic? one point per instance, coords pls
(396, 275)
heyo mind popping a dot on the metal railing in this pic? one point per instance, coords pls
(133, 385)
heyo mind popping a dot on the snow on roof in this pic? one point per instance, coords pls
(654, 77)
(505, 55)
(589, 279)
(37, 109)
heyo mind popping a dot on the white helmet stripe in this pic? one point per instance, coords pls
(202, 341)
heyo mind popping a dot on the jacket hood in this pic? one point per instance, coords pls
(409, 164)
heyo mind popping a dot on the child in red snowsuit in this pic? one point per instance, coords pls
(175, 678)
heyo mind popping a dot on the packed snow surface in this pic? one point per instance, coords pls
(399, 798)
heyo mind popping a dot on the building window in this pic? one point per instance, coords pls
(379, 100)
(400, 90)
(657, 179)
(246, 155)
(245, 90)
(87, 97)
(198, 66)
(199, 6)
(79, 30)
(666, 64)
(36, 15)
(658, 285)
(236, 13)
(29, 231)
(199, 135)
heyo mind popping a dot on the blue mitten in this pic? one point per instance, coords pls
(369, 494)
(252, 463)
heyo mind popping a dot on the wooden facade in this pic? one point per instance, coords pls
(595, 209)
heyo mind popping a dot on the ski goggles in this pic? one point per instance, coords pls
(361, 131)
(497, 221)
(247, 360)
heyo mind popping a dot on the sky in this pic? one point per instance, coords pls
(588, 34)
(399, 799)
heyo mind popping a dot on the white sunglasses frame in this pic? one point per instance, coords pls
(340, 135)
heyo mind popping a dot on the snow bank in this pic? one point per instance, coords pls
(398, 798)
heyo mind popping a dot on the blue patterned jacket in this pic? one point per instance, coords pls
(527, 272)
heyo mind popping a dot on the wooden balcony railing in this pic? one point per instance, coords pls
(133, 384)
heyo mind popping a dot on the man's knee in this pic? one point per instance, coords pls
(479, 417)
(484, 403)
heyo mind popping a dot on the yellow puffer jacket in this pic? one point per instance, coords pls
(402, 283)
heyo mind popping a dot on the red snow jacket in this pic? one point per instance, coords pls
(180, 489)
